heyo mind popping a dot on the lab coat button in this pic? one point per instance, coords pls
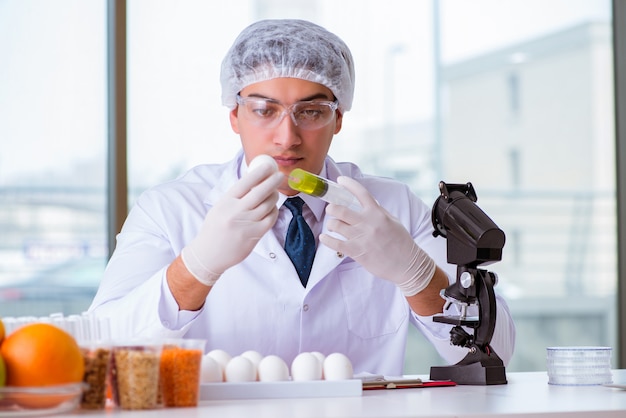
(272, 255)
(305, 308)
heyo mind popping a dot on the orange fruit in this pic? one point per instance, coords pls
(41, 354)
(2, 331)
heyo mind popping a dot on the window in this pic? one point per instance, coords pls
(551, 127)
(52, 165)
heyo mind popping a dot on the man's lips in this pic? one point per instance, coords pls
(287, 161)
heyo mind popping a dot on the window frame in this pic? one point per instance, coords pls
(619, 74)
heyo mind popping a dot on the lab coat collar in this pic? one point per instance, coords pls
(228, 177)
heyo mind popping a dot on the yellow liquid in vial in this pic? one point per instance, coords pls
(308, 183)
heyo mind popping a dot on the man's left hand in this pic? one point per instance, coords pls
(378, 241)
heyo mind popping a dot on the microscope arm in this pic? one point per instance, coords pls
(487, 306)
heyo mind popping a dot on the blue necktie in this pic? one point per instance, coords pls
(300, 242)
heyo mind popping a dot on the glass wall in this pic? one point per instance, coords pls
(527, 116)
(515, 97)
(52, 164)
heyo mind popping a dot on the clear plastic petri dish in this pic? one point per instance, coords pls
(579, 365)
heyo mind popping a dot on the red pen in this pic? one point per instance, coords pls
(405, 384)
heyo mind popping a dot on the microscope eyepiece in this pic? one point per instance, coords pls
(473, 238)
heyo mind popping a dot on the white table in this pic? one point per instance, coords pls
(525, 395)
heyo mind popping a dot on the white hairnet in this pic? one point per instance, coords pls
(288, 48)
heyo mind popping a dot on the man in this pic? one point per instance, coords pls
(209, 256)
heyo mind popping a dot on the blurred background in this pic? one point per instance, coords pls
(515, 96)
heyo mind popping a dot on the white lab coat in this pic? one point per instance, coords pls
(260, 304)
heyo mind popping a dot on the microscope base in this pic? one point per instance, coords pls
(470, 374)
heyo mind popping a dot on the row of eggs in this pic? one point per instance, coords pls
(251, 366)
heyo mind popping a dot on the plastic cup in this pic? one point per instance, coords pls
(181, 365)
(135, 375)
(97, 361)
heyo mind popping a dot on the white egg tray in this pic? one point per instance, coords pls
(285, 389)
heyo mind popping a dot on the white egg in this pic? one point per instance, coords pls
(211, 370)
(221, 356)
(320, 357)
(255, 357)
(262, 159)
(337, 366)
(306, 367)
(240, 369)
(273, 369)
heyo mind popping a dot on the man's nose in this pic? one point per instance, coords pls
(287, 133)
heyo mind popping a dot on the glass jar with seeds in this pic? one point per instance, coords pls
(180, 371)
(135, 375)
(97, 359)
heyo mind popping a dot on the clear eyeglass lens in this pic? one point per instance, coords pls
(305, 115)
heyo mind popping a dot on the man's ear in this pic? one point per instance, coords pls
(234, 119)
(338, 122)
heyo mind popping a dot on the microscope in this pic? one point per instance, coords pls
(473, 239)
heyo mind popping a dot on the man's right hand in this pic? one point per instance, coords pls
(234, 225)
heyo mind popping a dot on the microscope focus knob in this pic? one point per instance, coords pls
(494, 278)
(466, 279)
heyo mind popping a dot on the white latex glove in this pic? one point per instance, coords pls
(234, 225)
(378, 241)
